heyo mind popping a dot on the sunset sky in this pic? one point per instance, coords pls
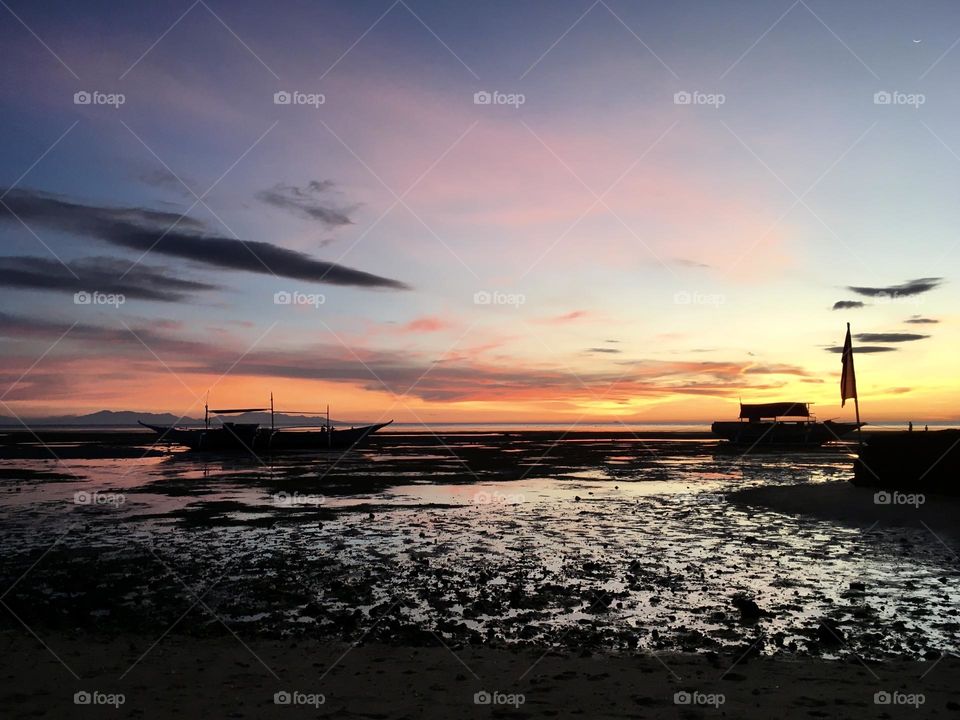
(586, 247)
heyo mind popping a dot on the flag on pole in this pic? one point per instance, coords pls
(848, 378)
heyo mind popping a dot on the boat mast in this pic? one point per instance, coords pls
(329, 439)
(206, 412)
(271, 412)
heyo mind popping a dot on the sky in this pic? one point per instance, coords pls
(479, 212)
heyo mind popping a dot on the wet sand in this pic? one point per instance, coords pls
(501, 547)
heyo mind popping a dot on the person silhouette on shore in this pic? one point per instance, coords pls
(910, 426)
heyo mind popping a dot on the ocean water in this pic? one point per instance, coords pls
(614, 544)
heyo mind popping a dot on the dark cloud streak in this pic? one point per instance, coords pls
(97, 274)
(173, 235)
(911, 287)
(889, 337)
(860, 349)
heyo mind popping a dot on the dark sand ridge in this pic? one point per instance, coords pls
(843, 503)
(185, 677)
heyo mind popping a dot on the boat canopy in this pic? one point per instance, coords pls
(238, 410)
(758, 411)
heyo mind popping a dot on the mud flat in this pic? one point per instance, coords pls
(73, 444)
(182, 677)
(596, 552)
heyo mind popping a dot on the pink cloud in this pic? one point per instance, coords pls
(565, 318)
(426, 324)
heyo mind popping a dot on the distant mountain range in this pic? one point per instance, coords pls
(124, 418)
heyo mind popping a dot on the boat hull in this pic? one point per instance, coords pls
(781, 434)
(307, 440)
(255, 440)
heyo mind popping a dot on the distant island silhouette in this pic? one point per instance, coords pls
(106, 418)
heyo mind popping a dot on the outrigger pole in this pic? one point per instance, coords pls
(856, 406)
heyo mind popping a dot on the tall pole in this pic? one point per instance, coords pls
(271, 412)
(856, 405)
(329, 437)
(856, 398)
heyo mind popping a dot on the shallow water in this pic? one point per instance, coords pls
(605, 544)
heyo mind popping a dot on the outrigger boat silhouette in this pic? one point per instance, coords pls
(252, 438)
(780, 424)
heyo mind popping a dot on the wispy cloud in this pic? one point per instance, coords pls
(847, 304)
(918, 320)
(165, 180)
(311, 201)
(426, 324)
(565, 318)
(173, 235)
(775, 369)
